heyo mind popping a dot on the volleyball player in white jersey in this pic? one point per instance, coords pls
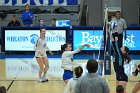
(67, 60)
(41, 56)
(129, 66)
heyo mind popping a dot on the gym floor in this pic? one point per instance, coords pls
(19, 75)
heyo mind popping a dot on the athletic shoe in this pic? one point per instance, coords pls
(44, 78)
(41, 80)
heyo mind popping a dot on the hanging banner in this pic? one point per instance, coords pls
(38, 2)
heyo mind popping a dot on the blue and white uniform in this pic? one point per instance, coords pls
(40, 45)
(67, 63)
(121, 25)
(129, 67)
(71, 85)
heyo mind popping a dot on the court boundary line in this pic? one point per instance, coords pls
(10, 85)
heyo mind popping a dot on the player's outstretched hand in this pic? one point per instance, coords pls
(87, 45)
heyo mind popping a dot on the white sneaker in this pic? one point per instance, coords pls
(41, 80)
(44, 78)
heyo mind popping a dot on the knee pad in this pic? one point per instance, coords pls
(41, 70)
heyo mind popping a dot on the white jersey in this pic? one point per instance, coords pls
(129, 67)
(40, 45)
(121, 24)
(71, 85)
(113, 26)
(67, 59)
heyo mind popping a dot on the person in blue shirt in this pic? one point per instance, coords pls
(27, 16)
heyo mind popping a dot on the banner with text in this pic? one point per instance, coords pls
(38, 2)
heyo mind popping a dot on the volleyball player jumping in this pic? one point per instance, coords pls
(119, 55)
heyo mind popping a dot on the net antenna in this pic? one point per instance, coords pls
(105, 35)
(101, 64)
(107, 50)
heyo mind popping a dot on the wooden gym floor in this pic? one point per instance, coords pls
(19, 75)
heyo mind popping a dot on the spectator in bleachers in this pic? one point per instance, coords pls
(72, 82)
(2, 89)
(41, 23)
(91, 82)
(53, 22)
(14, 21)
(27, 16)
(119, 89)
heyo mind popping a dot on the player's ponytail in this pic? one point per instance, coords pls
(63, 47)
(127, 58)
(126, 54)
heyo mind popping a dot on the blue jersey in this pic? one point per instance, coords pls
(27, 18)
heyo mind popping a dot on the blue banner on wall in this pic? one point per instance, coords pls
(133, 40)
(38, 2)
(92, 37)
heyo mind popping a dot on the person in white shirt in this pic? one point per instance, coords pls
(121, 23)
(72, 82)
(41, 56)
(129, 66)
(67, 60)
